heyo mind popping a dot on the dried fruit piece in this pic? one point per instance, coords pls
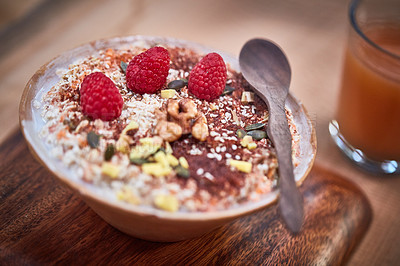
(252, 146)
(166, 202)
(166, 94)
(172, 160)
(183, 162)
(242, 166)
(161, 158)
(110, 169)
(246, 140)
(156, 169)
(125, 194)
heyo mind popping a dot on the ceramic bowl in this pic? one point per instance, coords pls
(149, 224)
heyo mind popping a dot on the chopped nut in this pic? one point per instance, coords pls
(122, 144)
(200, 128)
(247, 97)
(213, 107)
(131, 126)
(169, 131)
(182, 113)
(166, 202)
(156, 169)
(183, 162)
(166, 94)
(168, 148)
(235, 117)
(110, 169)
(156, 141)
(242, 166)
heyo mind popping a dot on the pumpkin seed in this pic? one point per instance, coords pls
(123, 66)
(71, 125)
(240, 133)
(257, 134)
(93, 139)
(255, 126)
(110, 151)
(138, 161)
(182, 172)
(177, 84)
(228, 90)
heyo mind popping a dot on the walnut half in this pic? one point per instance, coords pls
(180, 118)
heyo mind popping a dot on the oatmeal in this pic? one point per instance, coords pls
(170, 149)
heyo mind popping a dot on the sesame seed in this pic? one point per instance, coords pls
(234, 147)
(200, 171)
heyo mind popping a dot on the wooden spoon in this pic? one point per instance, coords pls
(266, 68)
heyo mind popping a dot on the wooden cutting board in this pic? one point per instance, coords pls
(43, 222)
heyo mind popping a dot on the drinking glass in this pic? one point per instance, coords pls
(367, 123)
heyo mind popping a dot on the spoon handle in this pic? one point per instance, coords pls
(290, 201)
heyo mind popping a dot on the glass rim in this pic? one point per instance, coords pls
(353, 21)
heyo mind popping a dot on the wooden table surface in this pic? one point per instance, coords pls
(312, 33)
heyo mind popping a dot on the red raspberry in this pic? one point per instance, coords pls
(147, 72)
(208, 77)
(100, 98)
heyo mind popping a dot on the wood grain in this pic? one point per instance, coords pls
(42, 222)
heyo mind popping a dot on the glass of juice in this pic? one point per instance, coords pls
(367, 123)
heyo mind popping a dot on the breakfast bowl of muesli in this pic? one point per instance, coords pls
(163, 138)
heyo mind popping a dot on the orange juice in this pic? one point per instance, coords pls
(369, 103)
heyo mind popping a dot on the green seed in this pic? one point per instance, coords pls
(228, 90)
(177, 84)
(123, 66)
(93, 139)
(257, 134)
(240, 133)
(182, 172)
(71, 125)
(110, 151)
(138, 161)
(255, 126)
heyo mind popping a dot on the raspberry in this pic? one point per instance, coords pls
(100, 98)
(147, 72)
(208, 77)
